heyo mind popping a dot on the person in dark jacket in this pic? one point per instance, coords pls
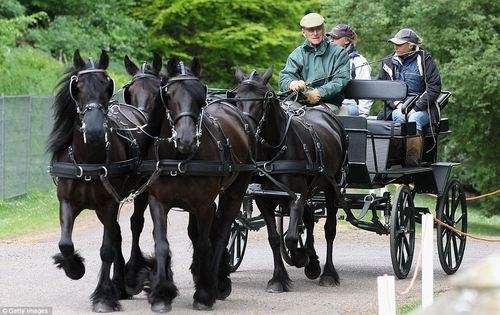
(415, 66)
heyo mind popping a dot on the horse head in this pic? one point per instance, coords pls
(142, 90)
(184, 97)
(91, 89)
(252, 93)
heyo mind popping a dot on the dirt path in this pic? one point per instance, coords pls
(28, 277)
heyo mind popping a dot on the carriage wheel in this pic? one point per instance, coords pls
(402, 232)
(282, 227)
(238, 237)
(452, 210)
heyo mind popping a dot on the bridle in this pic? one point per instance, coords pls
(91, 106)
(266, 100)
(197, 118)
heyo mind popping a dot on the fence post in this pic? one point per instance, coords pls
(427, 260)
(386, 295)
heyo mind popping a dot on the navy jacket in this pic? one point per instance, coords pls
(430, 83)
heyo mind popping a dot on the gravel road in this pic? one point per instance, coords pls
(29, 279)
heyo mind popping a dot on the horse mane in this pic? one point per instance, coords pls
(64, 114)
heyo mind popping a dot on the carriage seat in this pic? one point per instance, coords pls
(391, 128)
(385, 90)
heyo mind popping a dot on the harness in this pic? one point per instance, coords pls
(308, 166)
(114, 123)
(225, 166)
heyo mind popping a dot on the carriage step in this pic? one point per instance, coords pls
(256, 190)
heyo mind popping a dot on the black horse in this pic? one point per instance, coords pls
(95, 159)
(301, 153)
(141, 93)
(201, 152)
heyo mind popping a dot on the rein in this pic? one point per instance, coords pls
(278, 166)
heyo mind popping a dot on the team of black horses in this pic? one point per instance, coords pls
(173, 144)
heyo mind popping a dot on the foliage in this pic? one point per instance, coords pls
(12, 29)
(463, 39)
(28, 71)
(254, 34)
(11, 8)
(91, 29)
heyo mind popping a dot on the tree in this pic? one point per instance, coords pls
(90, 26)
(463, 39)
(226, 34)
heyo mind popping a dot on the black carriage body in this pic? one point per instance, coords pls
(376, 155)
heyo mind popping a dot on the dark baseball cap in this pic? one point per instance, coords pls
(342, 30)
(406, 35)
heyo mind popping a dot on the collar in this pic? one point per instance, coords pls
(320, 49)
(412, 56)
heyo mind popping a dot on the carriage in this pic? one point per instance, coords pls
(376, 153)
(181, 149)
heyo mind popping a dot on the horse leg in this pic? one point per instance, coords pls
(119, 265)
(204, 295)
(298, 256)
(163, 290)
(137, 267)
(280, 282)
(106, 295)
(313, 268)
(193, 236)
(229, 206)
(330, 277)
(68, 260)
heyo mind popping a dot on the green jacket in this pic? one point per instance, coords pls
(313, 65)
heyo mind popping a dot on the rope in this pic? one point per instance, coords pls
(415, 273)
(419, 256)
(463, 233)
(485, 195)
(475, 197)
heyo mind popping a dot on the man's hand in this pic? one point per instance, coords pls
(313, 96)
(298, 85)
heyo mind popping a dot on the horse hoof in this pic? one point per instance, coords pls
(300, 261)
(201, 307)
(133, 291)
(274, 288)
(101, 307)
(222, 295)
(161, 307)
(312, 270)
(327, 281)
(77, 273)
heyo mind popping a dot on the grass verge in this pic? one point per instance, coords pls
(32, 212)
(39, 210)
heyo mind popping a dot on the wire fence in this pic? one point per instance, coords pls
(25, 123)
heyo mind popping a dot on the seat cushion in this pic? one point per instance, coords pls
(391, 128)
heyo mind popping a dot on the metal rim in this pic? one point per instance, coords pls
(402, 232)
(238, 237)
(452, 210)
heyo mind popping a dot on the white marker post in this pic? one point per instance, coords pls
(427, 260)
(386, 295)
